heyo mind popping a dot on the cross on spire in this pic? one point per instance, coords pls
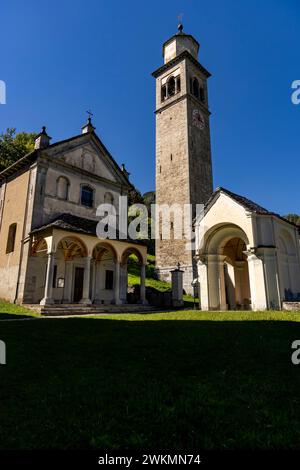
(88, 127)
(89, 112)
(180, 25)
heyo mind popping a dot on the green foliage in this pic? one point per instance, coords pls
(14, 146)
(151, 280)
(149, 198)
(295, 218)
(134, 197)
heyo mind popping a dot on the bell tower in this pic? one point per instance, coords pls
(183, 150)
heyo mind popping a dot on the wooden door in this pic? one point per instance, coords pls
(78, 284)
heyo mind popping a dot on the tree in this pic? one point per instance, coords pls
(295, 218)
(14, 146)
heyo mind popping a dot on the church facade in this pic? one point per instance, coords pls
(49, 249)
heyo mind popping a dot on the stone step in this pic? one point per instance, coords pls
(57, 310)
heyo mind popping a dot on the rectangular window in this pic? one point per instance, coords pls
(11, 239)
(87, 196)
(109, 280)
(54, 276)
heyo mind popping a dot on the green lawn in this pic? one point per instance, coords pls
(178, 381)
(7, 309)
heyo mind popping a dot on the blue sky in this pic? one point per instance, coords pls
(60, 58)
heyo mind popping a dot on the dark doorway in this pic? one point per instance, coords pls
(78, 284)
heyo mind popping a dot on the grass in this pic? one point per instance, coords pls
(177, 381)
(7, 309)
(151, 281)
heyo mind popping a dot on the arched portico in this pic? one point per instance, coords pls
(104, 274)
(223, 269)
(66, 277)
(231, 274)
(75, 268)
(124, 273)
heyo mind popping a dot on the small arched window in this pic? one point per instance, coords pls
(62, 188)
(171, 86)
(11, 239)
(87, 196)
(195, 90)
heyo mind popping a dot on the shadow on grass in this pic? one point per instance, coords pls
(176, 385)
(12, 316)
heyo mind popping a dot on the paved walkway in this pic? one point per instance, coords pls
(87, 315)
(57, 317)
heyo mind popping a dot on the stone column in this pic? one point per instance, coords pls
(143, 286)
(86, 282)
(257, 283)
(213, 282)
(97, 282)
(68, 282)
(230, 286)
(222, 288)
(123, 283)
(48, 299)
(268, 255)
(177, 287)
(93, 280)
(118, 300)
(203, 283)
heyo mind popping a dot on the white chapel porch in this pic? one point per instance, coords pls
(76, 267)
(248, 257)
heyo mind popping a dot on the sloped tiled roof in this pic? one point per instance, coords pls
(73, 223)
(249, 205)
(243, 201)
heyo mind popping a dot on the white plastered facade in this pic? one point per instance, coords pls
(246, 259)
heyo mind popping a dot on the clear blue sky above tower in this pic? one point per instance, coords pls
(60, 58)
